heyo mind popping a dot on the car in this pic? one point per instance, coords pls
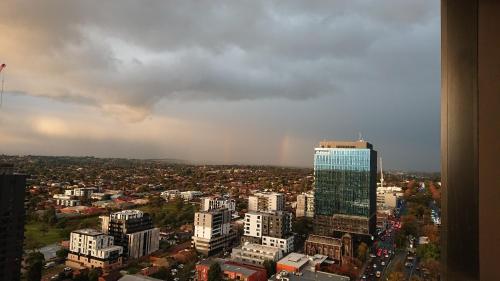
(363, 277)
(378, 274)
(408, 264)
(68, 269)
(382, 263)
(55, 277)
(372, 255)
(386, 256)
(374, 265)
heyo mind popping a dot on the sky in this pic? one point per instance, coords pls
(229, 82)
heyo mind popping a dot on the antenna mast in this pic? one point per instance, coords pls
(381, 173)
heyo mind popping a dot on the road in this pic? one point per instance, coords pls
(381, 254)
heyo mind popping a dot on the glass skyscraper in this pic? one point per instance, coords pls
(345, 188)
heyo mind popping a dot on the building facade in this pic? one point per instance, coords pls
(231, 271)
(134, 231)
(266, 201)
(338, 249)
(269, 229)
(12, 217)
(345, 188)
(255, 254)
(212, 231)
(209, 203)
(90, 248)
(305, 205)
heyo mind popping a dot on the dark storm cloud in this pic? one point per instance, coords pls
(289, 72)
(135, 53)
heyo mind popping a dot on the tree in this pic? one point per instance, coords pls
(62, 253)
(409, 225)
(270, 267)
(93, 275)
(49, 216)
(215, 272)
(428, 251)
(362, 250)
(34, 263)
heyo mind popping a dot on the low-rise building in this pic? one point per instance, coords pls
(190, 195)
(295, 262)
(255, 254)
(339, 250)
(90, 248)
(287, 244)
(231, 271)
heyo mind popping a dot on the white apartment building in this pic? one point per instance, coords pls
(134, 231)
(190, 195)
(286, 245)
(255, 254)
(305, 205)
(90, 248)
(170, 194)
(68, 202)
(253, 224)
(210, 203)
(80, 191)
(266, 201)
(387, 197)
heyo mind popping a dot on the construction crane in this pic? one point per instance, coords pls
(2, 66)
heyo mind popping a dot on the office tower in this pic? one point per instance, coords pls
(305, 205)
(134, 231)
(89, 248)
(209, 203)
(266, 201)
(345, 188)
(12, 217)
(212, 231)
(269, 228)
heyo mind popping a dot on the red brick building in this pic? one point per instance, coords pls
(232, 271)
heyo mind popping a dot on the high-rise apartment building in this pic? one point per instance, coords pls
(134, 231)
(269, 228)
(89, 248)
(266, 201)
(209, 203)
(212, 231)
(305, 205)
(12, 217)
(345, 188)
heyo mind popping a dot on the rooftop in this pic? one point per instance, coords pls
(323, 240)
(360, 144)
(313, 276)
(89, 231)
(299, 260)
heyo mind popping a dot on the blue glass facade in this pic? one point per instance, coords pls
(342, 178)
(345, 186)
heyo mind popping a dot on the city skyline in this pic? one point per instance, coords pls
(262, 85)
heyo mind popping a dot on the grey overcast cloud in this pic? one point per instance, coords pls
(250, 82)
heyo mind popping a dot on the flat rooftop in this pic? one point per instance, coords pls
(314, 276)
(345, 144)
(298, 260)
(89, 231)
